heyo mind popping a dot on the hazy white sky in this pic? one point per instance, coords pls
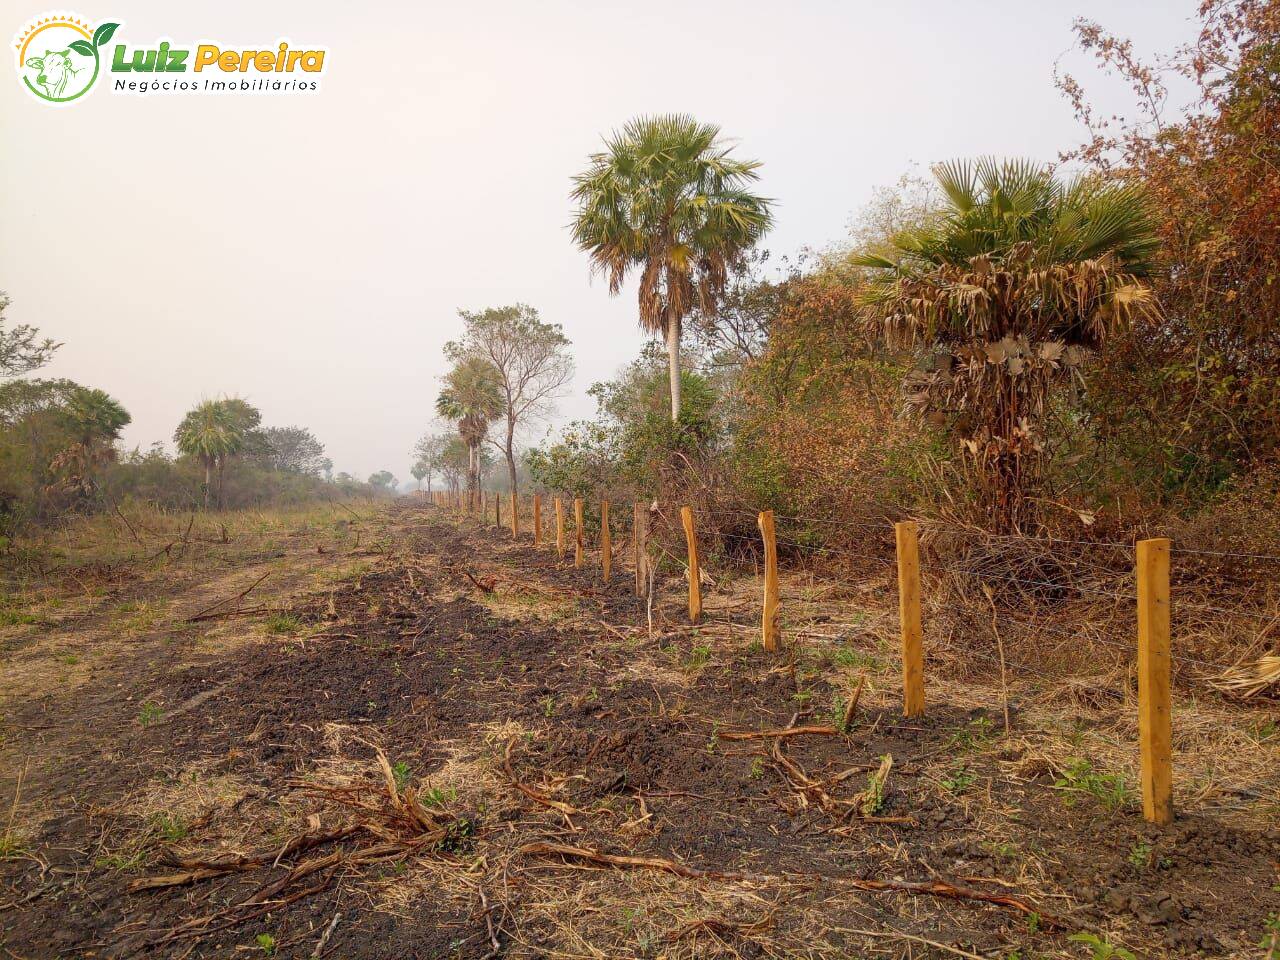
(309, 252)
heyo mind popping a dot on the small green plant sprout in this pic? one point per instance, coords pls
(171, 827)
(698, 657)
(266, 943)
(757, 768)
(871, 800)
(1270, 942)
(959, 780)
(438, 797)
(402, 774)
(1140, 855)
(1110, 789)
(149, 714)
(281, 623)
(975, 736)
(837, 714)
(1100, 949)
(549, 706)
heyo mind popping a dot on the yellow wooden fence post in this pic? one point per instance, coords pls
(909, 616)
(515, 514)
(579, 543)
(695, 574)
(537, 519)
(639, 524)
(1155, 725)
(559, 528)
(769, 619)
(606, 542)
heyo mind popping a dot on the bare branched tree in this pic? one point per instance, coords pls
(532, 362)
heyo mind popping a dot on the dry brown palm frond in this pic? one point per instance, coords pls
(1250, 680)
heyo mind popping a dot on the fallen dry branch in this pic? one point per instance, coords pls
(207, 612)
(529, 791)
(931, 888)
(818, 730)
(544, 848)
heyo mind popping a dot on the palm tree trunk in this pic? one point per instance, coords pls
(473, 474)
(208, 480)
(673, 365)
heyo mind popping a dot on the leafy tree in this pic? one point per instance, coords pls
(291, 450)
(632, 441)
(454, 461)
(212, 432)
(55, 439)
(1191, 398)
(429, 454)
(383, 480)
(1010, 289)
(20, 349)
(419, 471)
(531, 360)
(668, 200)
(472, 399)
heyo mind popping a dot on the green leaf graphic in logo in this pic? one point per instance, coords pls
(104, 33)
(58, 75)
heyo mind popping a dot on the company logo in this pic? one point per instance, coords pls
(61, 56)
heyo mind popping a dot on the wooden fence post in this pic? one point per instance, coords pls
(559, 528)
(1155, 725)
(497, 509)
(769, 619)
(909, 615)
(606, 541)
(579, 545)
(695, 573)
(537, 519)
(515, 514)
(639, 524)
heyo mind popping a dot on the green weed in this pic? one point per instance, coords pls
(1110, 789)
(1100, 949)
(400, 770)
(698, 657)
(171, 827)
(438, 797)
(266, 943)
(279, 623)
(149, 713)
(959, 780)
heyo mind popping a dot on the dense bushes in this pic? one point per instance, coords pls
(797, 403)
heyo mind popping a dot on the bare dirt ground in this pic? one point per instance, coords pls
(437, 742)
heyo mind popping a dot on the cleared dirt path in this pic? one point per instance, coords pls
(459, 747)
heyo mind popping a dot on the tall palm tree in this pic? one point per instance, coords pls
(472, 398)
(1011, 287)
(667, 199)
(95, 419)
(211, 432)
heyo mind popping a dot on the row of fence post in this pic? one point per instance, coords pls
(1153, 617)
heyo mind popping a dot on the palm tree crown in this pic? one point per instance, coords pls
(212, 431)
(472, 398)
(1011, 286)
(668, 199)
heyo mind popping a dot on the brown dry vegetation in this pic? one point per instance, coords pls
(368, 755)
